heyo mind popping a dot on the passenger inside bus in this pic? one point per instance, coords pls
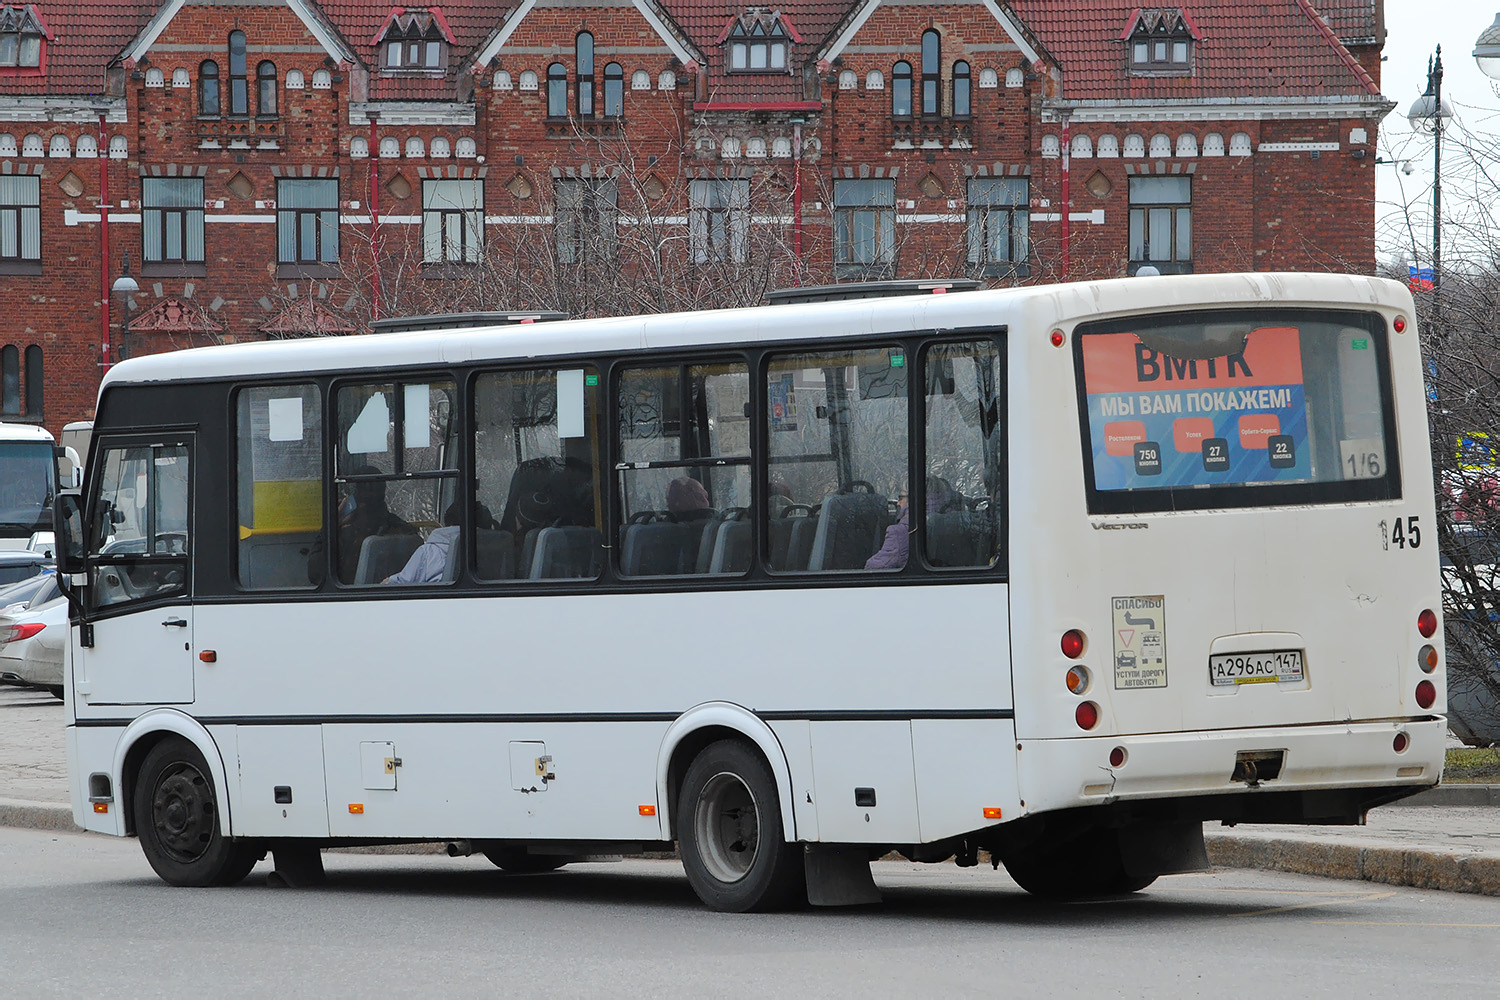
(436, 559)
(363, 515)
(897, 546)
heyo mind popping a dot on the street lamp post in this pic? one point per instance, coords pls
(125, 286)
(1428, 112)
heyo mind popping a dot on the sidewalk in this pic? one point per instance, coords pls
(1448, 838)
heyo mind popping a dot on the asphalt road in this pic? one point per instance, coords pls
(84, 914)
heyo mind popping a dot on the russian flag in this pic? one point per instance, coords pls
(1419, 279)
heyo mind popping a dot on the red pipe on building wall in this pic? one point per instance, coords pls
(374, 220)
(103, 248)
(797, 201)
(1067, 199)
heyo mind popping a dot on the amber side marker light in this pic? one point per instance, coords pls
(991, 812)
(647, 810)
(1427, 659)
(355, 808)
(208, 656)
(1078, 679)
(101, 807)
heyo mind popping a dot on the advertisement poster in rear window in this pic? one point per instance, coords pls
(1158, 421)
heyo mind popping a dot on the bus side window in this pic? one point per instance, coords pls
(140, 544)
(279, 488)
(684, 470)
(837, 462)
(964, 492)
(536, 475)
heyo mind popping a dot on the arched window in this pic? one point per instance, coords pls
(585, 52)
(265, 89)
(119, 147)
(359, 148)
(390, 147)
(322, 79)
(10, 381)
(59, 146)
(503, 81)
(931, 71)
(667, 80)
(528, 79)
(32, 145)
(155, 78)
(8, 145)
(295, 80)
(901, 89)
(239, 84)
(874, 80)
(88, 147)
(415, 150)
(466, 149)
(640, 80)
(180, 79)
(614, 90)
(33, 381)
(961, 94)
(440, 149)
(848, 80)
(557, 91)
(208, 88)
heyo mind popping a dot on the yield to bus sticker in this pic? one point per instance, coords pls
(1140, 626)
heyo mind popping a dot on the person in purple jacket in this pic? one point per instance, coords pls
(892, 555)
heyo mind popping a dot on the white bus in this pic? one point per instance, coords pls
(29, 461)
(562, 589)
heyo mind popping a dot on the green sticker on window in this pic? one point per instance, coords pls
(591, 380)
(898, 361)
(1361, 345)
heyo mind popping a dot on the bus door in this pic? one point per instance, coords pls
(137, 604)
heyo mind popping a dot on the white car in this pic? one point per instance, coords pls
(32, 638)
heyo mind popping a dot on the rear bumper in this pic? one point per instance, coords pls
(1065, 774)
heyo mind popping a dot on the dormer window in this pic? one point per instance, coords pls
(1161, 41)
(22, 34)
(757, 42)
(414, 42)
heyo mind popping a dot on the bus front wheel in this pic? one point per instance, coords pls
(729, 833)
(177, 820)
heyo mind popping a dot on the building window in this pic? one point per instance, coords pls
(265, 89)
(415, 42)
(1161, 42)
(1161, 224)
(10, 381)
(208, 89)
(901, 90)
(239, 84)
(962, 102)
(718, 220)
(21, 38)
(998, 223)
(614, 90)
(587, 214)
(585, 53)
(307, 221)
(34, 381)
(172, 220)
(452, 221)
(931, 72)
(864, 224)
(557, 91)
(757, 42)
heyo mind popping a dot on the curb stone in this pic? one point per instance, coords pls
(1417, 867)
(37, 815)
(1453, 795)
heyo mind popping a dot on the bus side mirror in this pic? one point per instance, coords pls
(67, 527)
(73, 479)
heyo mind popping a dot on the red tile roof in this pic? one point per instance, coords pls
(471, 22)
(1354, 21)
(705, 21)
(1274, 49)
(85, 37)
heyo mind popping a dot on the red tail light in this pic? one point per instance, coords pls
(1087, 715)
(1427, 623)
(1072, 644)
(1400, 743)
(1426, 694)
(15, 633)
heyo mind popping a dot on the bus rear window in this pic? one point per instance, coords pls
(1236, 408)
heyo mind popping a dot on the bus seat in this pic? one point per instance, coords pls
(382, 555)
(270, 561)
(495, 555)
(960, 538)
(451, 561)
(731, 548)
(849, 531)
(652, 549)
(569, 552)
(781, 529)
(800, 542)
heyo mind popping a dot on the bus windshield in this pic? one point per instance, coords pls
(26, 484)
(1236, 409)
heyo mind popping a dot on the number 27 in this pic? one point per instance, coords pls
(1407, 535)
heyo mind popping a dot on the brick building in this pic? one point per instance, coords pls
(271, 169)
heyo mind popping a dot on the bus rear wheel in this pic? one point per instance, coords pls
(177, 820)
(729, 833)
(1086, 867)
(517, 861)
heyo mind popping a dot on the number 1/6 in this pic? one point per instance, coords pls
(1364, 465)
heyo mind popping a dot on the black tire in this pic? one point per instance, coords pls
(516, 861)
(177, 820)
(56, 691)
(1086, 867)
(729, 833)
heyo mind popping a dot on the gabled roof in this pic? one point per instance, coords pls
(85, 38)
(706, 23)
(649, 10)
(306, 11)
(467, 24)
(1355, 22)
(1274, 49)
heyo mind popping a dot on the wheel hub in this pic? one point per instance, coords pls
(727, 824)
(182, 812)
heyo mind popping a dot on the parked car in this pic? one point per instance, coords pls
(1472, 609)
(19, 564)
(32, 639)
(14, 596)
